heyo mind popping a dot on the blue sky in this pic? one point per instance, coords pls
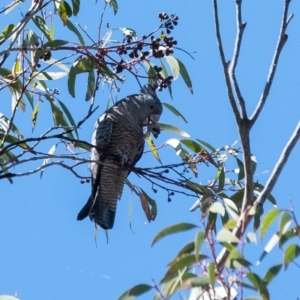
(47, 254)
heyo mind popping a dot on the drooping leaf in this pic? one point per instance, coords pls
(185, 75)
(72, 27)
(259, 284)
(183, 262)
(135, 291)
(173, 129)
(149, 206)
(90, 85)
(114, 5)
(268, 220)
(152, 147)
(212, 273)
(69, 116)
(64, 11)
(174, 111)
(76, 7)
(6, 33)
(290, 254)
(35, 114)
(174, 66)
(200, 236)
(241, 170)
(40, 23)
(181, 227)
(272, 273)
(259, 187)
(207, 145)
(285, 221)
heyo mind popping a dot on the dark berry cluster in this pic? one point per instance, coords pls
(46, 56)
(170, 23)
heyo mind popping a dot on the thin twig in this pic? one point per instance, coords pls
(280, 44)
(238, 41)
(225, 64)
(279, 165)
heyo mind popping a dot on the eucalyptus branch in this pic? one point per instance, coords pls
(280, 44)
(225, 64)
(238, 41)
(279, 165)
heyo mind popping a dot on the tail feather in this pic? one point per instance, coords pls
(102, 215)
(85, 211)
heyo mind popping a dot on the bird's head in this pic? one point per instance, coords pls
(152, 105)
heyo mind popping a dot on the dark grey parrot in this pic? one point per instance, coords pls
(119, 138)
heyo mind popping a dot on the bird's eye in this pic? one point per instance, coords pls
(151, 106)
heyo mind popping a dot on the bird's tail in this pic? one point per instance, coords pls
(102, 215)
(85, 211)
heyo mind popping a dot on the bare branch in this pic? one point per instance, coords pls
(279, 165)
(280, 44)
(225, 64)
(238, 41)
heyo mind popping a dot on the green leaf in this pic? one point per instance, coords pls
(40, 23)
(135, 291)
(174, 111)
(35, 114)
(268, 220)
(5, 34)
(90, 85)
(241, 169)
(187, 249)
(185, 75)
(272, 273)
(200, 236)
(183, 262)
(212, 273)
(259, 284)
(224, 235)
(207, 145)
(285, 221)
(152, 147)
(259, 212)
(181, 227)
(114, 5)
(71, 81)
(76, 7)
(194, 146)
(199, 281)
(259, 187)
(174, 66)
(291, 253)
(69, 116)
(173, 129)
(71, 27)
(289, 235)
(64, 11)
